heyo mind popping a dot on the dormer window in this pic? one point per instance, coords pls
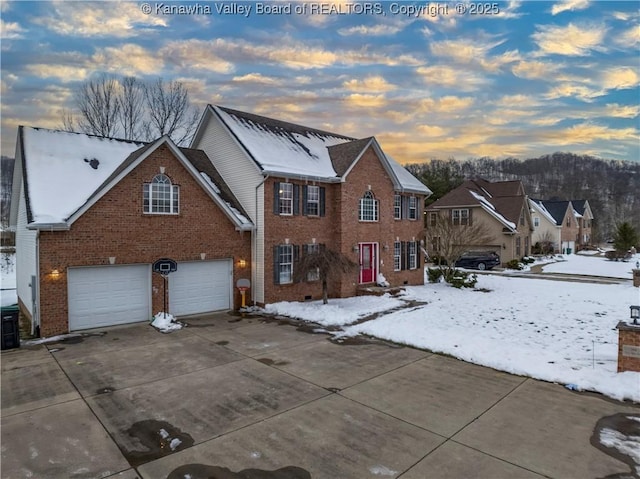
(368, 210)
(161, 196)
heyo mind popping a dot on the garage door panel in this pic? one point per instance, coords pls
(108, 295)
(200, 287)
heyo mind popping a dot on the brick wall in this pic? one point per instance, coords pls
(116, 226)
(628, 336)
(570, 232)
(341, 230)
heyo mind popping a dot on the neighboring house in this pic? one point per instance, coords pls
(568, 222)
(502, 207)
(306, 189)
(92, 214)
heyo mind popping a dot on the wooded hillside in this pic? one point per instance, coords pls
(611, 187)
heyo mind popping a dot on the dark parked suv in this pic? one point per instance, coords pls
(479, 260)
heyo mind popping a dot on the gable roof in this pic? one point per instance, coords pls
(540, 207)
(85, 167)
(504, 200)
(557, 209)
(292, 150)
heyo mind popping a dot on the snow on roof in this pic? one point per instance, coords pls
(543, 211)
(282, 151)
(492, 210)
(290, 149)
(406, 179)
(64, 169)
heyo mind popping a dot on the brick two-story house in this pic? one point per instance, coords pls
(92, 214)
(303, 188)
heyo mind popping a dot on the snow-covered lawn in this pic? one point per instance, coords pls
(556, 331)
(8, 279)
(591, 265)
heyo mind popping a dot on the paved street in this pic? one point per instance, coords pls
(231, 397)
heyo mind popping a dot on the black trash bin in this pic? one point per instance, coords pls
(10, 327)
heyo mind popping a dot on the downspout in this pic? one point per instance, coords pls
(35, 289)
(254, 243)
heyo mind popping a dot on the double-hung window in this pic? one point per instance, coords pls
(413, 254)
(413, 208)
(397, 207)
(285, 264)
(286, 198)
(313, 200)
(460, 217)
(161, 196)
(368, 210)
(397, 254)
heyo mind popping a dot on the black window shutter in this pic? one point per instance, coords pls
(322, 200)
(470, 216)
(296, 259)
(403, 255)
(276, 264)
(418, 263)
(305, 211)
(296, 199)
(276, 198)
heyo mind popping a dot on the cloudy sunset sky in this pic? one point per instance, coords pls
(523, 79)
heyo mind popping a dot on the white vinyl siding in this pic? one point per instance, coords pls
(229, 157)
(26, 251)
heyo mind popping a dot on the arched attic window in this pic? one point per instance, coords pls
(161, 196)
(368, 210)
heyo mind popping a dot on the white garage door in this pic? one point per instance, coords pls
(200, 287)
(108, 295)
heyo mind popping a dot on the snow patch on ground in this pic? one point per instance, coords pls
(590, 265)
(626, 445)
(166, 322)
(8, 295)
(561, 332)
(337, 312)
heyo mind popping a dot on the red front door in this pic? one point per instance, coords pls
(368, 262)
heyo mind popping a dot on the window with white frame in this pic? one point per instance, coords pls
(285, 264)
(536, 221)
(314, 274)
(397, 207)
(368, 210)
(460, 216)
(413, 254)
(397, 255)
(313, 200)
(161, 196)
(285, 198)
(413, 208)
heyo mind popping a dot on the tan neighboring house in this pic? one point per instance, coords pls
(568, 224)
(502, 206)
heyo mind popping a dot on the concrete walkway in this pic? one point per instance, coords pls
(233, 398)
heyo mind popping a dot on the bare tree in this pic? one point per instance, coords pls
(447, 242)
(169, 110)
(97, 101)
(133, 110)
(131, 100)
(326, 264)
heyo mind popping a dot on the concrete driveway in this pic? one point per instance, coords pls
(245, 398)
